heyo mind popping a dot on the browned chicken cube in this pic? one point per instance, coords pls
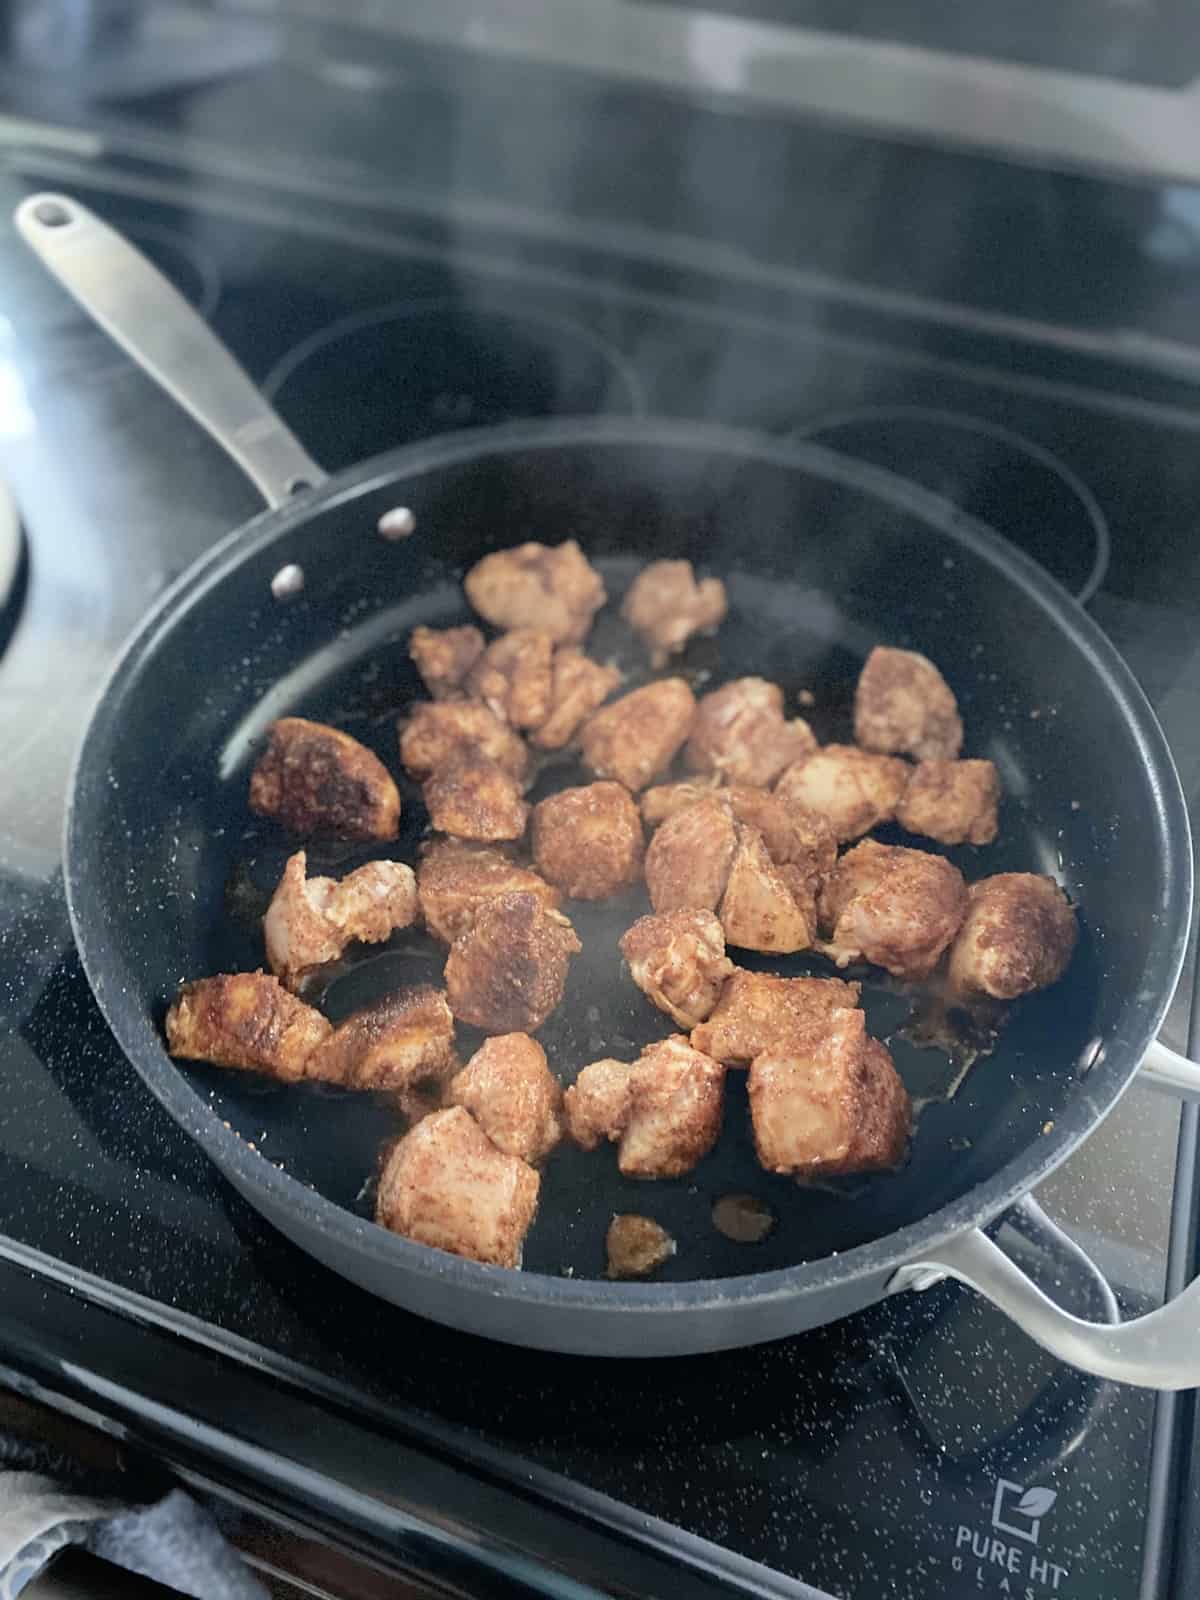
(472, 797)
(665, 799)
(904, 705)
(828, 1103)
(444, 657)
(455, 878)
(596, 1105)
(741, 733)
(433, 735)
(852, 789)
(636, 1245)
(954, 802)
(538, 586)
(667, 606)
(758, 910)
(507, 972)
(315, 779)
(403, 1041)
(579, 686)
(1018, 935)
(793, 836)
(635, 738)
(677, 959)
(588, 841)
(513, 1096)
(674, 1111)
(758, 1011)
(515, 677)
(445, 1184)
(688, 859)
(248, 1020)
(894, 907)
(310, 921)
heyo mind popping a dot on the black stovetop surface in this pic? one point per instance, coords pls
(866, 1458)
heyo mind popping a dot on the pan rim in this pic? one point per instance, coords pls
(1167, 817)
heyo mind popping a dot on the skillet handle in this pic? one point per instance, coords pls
(153, 323)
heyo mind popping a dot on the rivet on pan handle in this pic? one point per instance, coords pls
(153, 323)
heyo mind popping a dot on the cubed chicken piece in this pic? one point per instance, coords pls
(314, 779)
(635, 738)
(509, 1089)
(515, 677)
(1018, 935)
(636, 1245)
(852, 789)
(793, 836)
(579, 687)
(472, 797)
(904, 706)
(828, 1103)
(667, 606)
(688, 859)
(677, 959)
(403, 1041)
(434, 735)
(741, 733)
(596, 1106)
(897, 908)
(588, 841)
(758, 1011)
(954, 802)
(538, 586)
(665, 799)
(310, 921)
(507, 972)
(445, 1184)
(758, 909)
(455, 878)
(674, 1110)
(248, 1020)
(444, 657)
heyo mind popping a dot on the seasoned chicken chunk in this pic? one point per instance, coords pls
(665, 799)
(667, 606)
(455, 878)
(245, 1019)
(952, 801)
(758, 1011)
(515, 677)
(903, 704)
(1018, 935)
(403, 1041)
(513, 1096)
(852, 789)
(758, 910)
(433, 735)
(472, 797)
(596, 1105)
(315, 779)
(444, 657)
(636, 1245)
(741, 733)
(507, 972)
(310, 921)
(538, 586)
(829, 1102)
(579, 686)
(588, 841)
(445, 1184)
(635, 738)
(677, 959)
(688, 859)
(894, 907)
(665, 1110)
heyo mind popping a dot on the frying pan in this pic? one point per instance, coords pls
(306, 611)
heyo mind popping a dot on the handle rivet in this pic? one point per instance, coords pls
(288, 582)
(52, 213)
(398, 523)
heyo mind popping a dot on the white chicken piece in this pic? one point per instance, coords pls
(434, 734)
(538, 586)
(316, 779)
(508, 1088)
(954, 802)
(445, 1184)
(310, 921)
(688, 859)
(635, 739)
(852, 789)
(246, 1020)
(472, 797)
(894, 907)
(665, 1110)
(444, 657)
(904, 705)
(758, 1011)
(667, 606)
(454, 878)
(596, 1105)
(588, 841)
(741, 734)
(404, 1041)
(677, 959)
(579, 686)
(758, 910)
(515, 677)
(1018, 935)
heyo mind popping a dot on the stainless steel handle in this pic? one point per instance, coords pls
(153, 323)
(1166, 1070)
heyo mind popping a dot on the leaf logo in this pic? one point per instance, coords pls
(1036, 1502)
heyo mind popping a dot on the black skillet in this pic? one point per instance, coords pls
(306, 611)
